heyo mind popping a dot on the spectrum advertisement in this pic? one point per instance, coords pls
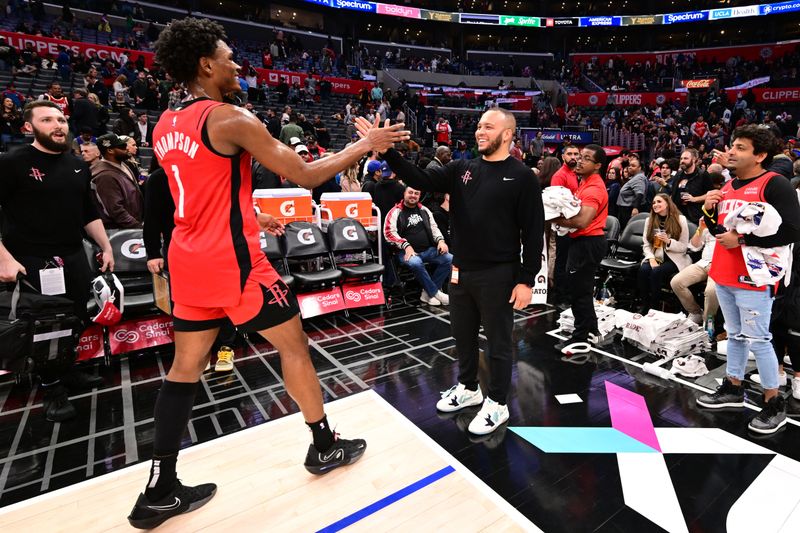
(394, 10)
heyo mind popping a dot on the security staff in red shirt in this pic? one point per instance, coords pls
(588, 246)
(564, 177)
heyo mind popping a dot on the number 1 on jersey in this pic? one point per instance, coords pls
(176, 173)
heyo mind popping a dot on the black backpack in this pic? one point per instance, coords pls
(35, 328)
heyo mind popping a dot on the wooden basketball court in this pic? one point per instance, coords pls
(405, 481)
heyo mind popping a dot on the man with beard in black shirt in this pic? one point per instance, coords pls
(38, 180)
(690, 186)
(495, 205)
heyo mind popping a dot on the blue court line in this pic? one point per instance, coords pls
(387, 501)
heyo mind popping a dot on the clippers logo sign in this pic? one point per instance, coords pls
(363, 295)
(134, 249)
(134, 335)
(686, 16)
(321, 302)
(562, 23)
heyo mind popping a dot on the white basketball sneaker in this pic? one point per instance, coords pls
(489, 418)
(457, 397)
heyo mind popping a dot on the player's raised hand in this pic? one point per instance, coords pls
(381, 138)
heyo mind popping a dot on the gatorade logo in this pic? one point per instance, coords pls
(134, 249)
(351, 211)
(349, 233)
(287, 208)
(305, 236)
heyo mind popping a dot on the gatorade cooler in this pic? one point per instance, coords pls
(286, 205)
(357, 205)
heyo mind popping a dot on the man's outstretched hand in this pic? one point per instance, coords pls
(381, 138)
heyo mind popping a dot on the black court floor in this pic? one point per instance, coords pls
(406, 354)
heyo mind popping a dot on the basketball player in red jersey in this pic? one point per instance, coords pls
(217, 267)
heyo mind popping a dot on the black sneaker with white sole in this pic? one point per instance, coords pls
(771, 418)
(182, 499)
(726, 395)
(343, 452)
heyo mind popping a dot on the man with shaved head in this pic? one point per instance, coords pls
(495, 206)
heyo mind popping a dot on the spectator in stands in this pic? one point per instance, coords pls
(666, 176)
(90, 153)
(633, 195)
(690, 186)
(117, 192)
(321, 132)
(132, 162)
(126, 123)
(443, 132)
(11, 122)
(613, 185)
(745, 305)
(372, 173)
(376, 93)
(7, 54)
(102, 113)
(441, 158)
(388, 190)
(14, 95)
(143, 134)
(120, 85)
(30, 241)
(410, 226)
(348, 179)
(461, 151)
(665, 241)
(56, 95)
(85, 114)
(535, 150)
(291, 129)
(796, 171)
(85, 136)
(516, 150)
(698, 273)
(699, 130)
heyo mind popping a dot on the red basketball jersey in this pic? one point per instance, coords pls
(215, 244)
(727, 266)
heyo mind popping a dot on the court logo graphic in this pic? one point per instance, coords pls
(646, 483)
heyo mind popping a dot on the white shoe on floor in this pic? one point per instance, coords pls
(796, 388)
(489, 418)
(457, 397)
(782, 380)
(787, 360)
(442, 297)
(430, 300)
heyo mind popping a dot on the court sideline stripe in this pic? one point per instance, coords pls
(387, 501)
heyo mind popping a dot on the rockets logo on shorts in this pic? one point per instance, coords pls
(278, 295)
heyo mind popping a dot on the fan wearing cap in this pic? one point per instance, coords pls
(117, 194)
(291, 130)
(372, 173)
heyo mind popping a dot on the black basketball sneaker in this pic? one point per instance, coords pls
(343, 452)
(182, 499)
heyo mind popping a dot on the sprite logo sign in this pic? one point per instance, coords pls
(531, 22)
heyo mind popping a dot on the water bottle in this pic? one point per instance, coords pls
(710, 327)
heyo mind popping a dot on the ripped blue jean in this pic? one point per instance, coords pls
(747, 315)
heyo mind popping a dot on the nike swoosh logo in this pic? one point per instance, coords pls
(338, 454)
(77, 171)
(508, 179)
(171, 507)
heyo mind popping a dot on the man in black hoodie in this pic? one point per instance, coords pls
(495, 206)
